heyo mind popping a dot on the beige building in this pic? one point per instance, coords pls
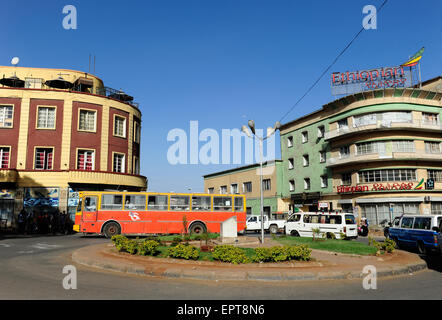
(246, 180)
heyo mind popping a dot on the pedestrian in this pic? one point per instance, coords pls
(63, 223)
(22, 221)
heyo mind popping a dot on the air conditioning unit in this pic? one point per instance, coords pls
(427, 199)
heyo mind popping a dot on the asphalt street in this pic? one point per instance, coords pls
(32, 269)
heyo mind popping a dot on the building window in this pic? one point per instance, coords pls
(46, 117)
(436, 208)
(436, 175)
(137, 132)
(342, 125)
(120, 126)
(324, 181)
(364, 120)
(304, 137)
(234, 188)
(321, 132)
(86, 160)
(307, 184)
(87, 120)
(136, 167)
(305, 160)
(346, 179)
(322, 156)
(403, 146)
(291, 163)
(119, 162)
(44, 158)
(247, 187)
(398, 116)
(5, 154)
(430, 119)
(292, 185)
(387, 175)
(266, 184)
(223, 190)
(369, 147)
(33, 83)
(289, 142)
(211, 190)
(432, 147)
(6, 113)
(344, 152)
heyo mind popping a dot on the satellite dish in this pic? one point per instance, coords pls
(15, 61)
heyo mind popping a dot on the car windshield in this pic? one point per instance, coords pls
(350, 219)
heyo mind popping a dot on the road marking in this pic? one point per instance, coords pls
(5, 245)
(44, 246)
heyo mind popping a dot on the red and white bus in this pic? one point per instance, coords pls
(139, 213)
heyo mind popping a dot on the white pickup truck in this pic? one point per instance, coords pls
(273, 226)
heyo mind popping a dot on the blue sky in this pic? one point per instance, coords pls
(217, 62)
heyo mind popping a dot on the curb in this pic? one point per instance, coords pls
(175, 272)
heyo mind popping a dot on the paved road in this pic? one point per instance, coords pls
(31, 268)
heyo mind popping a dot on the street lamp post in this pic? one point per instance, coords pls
(270, 132)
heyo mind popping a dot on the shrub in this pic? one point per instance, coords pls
(228, 253)
(148, 248)
(120, 242)
(176, 240)
(286, 253)
(182, 251)
(387, 246)
(131, 246)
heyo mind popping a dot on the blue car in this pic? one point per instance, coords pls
(416, 231)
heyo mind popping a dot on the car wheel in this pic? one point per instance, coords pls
(421, 248)
(294, 233)
(273, 229)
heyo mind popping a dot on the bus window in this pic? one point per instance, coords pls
(334, 220)
(111, 202)
(309, 218)
(80, 203)
(200, 203)
(157, 203)
(90, 204)
(239, 204)
(350, 219)
(179, 203)
(222, 203)
(135, 202)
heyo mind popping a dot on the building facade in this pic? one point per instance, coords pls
(246, 180)
(63, 131)
(376, 153)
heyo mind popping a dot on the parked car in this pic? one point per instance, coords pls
(273, 226)
(416, 231)
(330, 224)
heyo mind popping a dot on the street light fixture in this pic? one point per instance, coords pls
(270, 132)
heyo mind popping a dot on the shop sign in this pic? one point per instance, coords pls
(377, 187)
(379, 78)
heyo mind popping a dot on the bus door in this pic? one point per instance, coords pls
(90, 208)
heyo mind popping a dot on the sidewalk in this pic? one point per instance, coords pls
(325, 266)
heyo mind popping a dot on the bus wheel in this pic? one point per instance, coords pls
(294, 233)
(197, 228)
(111, 229)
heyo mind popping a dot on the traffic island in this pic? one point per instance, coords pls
(323, 265)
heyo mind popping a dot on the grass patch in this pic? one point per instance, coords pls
(341, 246)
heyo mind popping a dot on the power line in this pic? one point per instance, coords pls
(331, 65)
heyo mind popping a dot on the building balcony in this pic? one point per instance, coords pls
(418, 155)
(417, 125)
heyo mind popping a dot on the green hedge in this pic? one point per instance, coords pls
(286, 253)
(227, 253)
(181, 251)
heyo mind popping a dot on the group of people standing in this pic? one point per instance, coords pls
(33, 222)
